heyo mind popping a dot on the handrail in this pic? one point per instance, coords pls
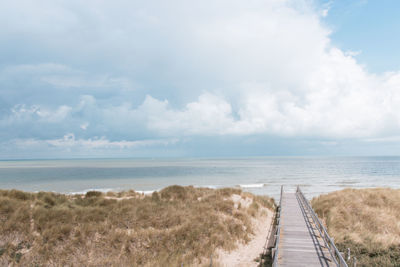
(335, 253)
(270, 238)
(278, 232)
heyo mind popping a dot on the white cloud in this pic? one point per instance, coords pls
(208, 115)
(69, 141)
(205, 68)
(388, 139)
(38, 69)
(21, 112)
(353, 53)
(63, 76)
(84, 126)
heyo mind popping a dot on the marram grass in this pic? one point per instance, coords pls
(174, 226)
(365, 220)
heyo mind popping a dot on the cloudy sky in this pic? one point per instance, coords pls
(198, 78)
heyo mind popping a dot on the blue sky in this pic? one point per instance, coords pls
(369, 27)
(189, 78)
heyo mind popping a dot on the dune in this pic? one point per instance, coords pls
(248, 254)
(177, 225)
(364, 220)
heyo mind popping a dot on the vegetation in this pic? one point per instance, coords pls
(366, 220)
(174, 226)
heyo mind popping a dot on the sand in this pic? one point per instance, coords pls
(245, 254)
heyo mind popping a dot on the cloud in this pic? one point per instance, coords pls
(209, 115)
(388, 139)
(35, 113)
(84, 125)
(153, 70)
(69, 141)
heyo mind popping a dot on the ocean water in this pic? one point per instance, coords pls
(264, 175)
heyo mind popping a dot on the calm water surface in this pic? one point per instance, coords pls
(257, 175)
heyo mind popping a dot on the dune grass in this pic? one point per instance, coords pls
(365, 220)
(174, 226)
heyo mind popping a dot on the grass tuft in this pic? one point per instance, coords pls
(93, 194)
(174, 226)
(364, 220)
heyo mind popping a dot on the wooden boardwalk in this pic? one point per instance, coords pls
(300, 242)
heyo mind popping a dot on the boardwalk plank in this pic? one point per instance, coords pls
(299, 242)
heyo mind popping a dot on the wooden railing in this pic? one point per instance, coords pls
(336, 255)
(275, 250)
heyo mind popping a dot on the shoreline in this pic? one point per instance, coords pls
(261, 176)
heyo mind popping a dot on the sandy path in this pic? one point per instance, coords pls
(244, 254)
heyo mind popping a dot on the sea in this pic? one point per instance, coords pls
(259, 175)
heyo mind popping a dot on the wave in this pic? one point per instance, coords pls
(103, 190)
(148, 192)
(240, 185)
(252, 185)
(207, 186)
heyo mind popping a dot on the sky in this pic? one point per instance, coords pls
(221, 78)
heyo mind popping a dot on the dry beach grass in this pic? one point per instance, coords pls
(366, 220)
(174, 226)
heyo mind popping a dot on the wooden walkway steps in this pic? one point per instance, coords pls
(299, 244)
(301, 240)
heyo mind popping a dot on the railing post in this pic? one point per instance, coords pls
(329, 242)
